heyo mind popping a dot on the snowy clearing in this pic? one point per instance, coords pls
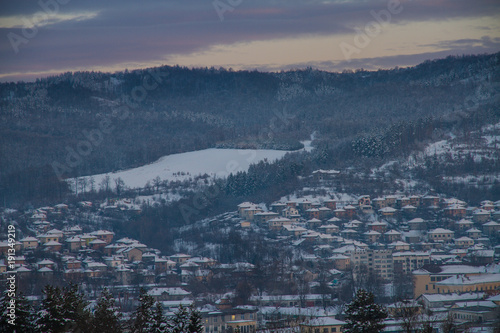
(178, 167)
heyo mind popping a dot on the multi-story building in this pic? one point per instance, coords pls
(406, 262)
(425, 278)
(374, 261)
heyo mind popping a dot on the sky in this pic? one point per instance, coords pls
(48, 37)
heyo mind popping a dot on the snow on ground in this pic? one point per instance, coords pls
(213, 162)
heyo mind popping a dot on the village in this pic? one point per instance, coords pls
(437, 255)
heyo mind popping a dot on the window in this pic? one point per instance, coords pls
(334, 329)
(426, 287)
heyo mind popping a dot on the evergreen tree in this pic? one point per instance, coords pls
(143, 316)
(64, 311)
(195, 322)
(24, 315)
(180, 323)
(51, 317)
(160, 324)
(106, 317)
(76, 310)
(363, 315)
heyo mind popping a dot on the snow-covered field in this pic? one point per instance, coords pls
(213, 162)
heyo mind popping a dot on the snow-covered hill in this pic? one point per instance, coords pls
(213, 162)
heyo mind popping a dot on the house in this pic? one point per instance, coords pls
(463, 242)
(399, 246)
(340, 261)
(104, 235)
(372, 236)
(417, 224)
(278, 222)
(263, 217)
(329, 229)
(163, 264)
(491, 228)
(29, 243)
(441, 234)
(330, 204)
(350, 212)
(392, 236)
(52, 246)
(293, 230)
(378, 226)
(415, 200)
(473, 233)
(481, 215)
(455, 211)
(313, 213)
(323, 325)
(464, 224)
(379, 203)
(278, 207)
(387, 211)
(364, 200)
(179, 258)
(131, 253)
(313, 223)
(430, 201)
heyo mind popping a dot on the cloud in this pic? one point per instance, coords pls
(102, 34)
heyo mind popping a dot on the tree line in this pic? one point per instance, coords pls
(66, 310)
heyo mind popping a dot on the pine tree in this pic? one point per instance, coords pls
(180, 323)
(25, 316)
(143, 316)
(76, 310)
(363, 315)
(51, 316)
(106, 317)
(195, 322)
(64, 311)
(160, 324)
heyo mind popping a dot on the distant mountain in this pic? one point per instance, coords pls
(84, 123)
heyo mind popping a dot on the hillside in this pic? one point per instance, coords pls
(86, 123)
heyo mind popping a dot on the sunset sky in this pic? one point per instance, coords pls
(47, 37)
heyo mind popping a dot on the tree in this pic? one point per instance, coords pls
(106, 317)
(363, 315)
(180, 323)
(448, 325)
(25, 315)
(143, 314)
(409, 315)
(160, 324)
(195, 323)
(51, 317)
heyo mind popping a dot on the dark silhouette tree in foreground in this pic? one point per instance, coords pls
(363, 315)
(106, 316)
(143, 315)
(25, 315)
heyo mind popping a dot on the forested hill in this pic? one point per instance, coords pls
(126, 119)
